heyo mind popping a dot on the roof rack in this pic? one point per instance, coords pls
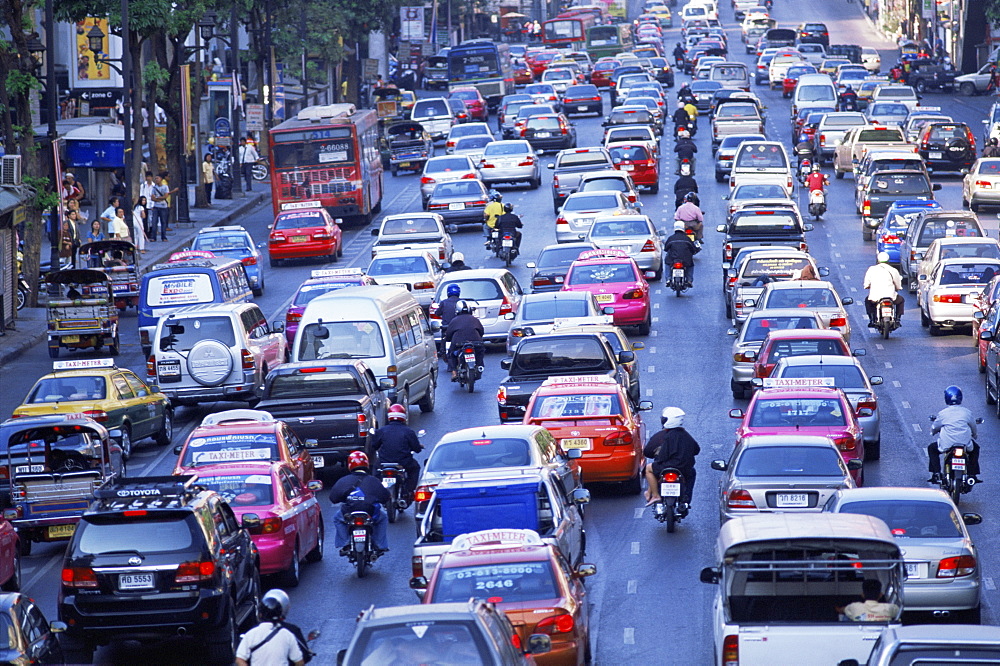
(232, 415)
(151, 492)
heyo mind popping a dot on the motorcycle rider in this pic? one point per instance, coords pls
(671, 447)
(457, 263)
(692, 112)
(686, 183)
(680, 117)
(273, 641)
(993, 149)
(685, 94)
(817, 180)
(493, 210)
(685, 149)
(679, 54)
(681, 250)
(849, 99)
(360, 491)
(396, 442)
(955, 426)
(447, 307)
(883, 281)
(691, 215)
(509, 222)
(465, 327)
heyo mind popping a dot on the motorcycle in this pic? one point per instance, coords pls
(885, 317)
(504, 247)
(817, 203)
(685, 166)
(955, 479)
(670, 509)
(678, 282)
(805, 167)
(361, 553)
(468, 369)
(393, 477)
(260, 169)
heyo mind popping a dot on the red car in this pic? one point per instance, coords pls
(540, 62)
(474, 102)
(638, 161)
(10, 558)
(304, 229)
(522, 74)
(601, 74)
(320, 282)
(805, 410)
(797, 342)
(283, 516)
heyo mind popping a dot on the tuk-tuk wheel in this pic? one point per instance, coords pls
(395, 170)
(54, 352)
(115, 346)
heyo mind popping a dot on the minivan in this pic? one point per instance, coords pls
(384, 326)
(435, 115)
(731, 75)
(813, 91)
(192, 280)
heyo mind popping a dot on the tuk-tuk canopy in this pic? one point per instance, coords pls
(79, 276)
(68, 431)
(386, 93)
(405, 129)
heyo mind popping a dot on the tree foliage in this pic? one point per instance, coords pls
(992, 8)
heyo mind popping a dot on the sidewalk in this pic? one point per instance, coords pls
(30, 323)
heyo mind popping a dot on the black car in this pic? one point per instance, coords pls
(814, 33)
(762, 226)
(850, 51)
(583, 99)
(631, 116)
(662, 71)
(549, 132)
(553, 263)
(890, 187)
(156, 557)
(28, 638)
(947, 146)
(926, 74)
(703, 92)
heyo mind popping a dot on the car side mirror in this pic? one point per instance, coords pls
(277, 326)
(386, 384)
(979, 314)
(505, 364)
(177, 449)
(645, 405)
(858, 352)
(936, 186)
(57, 627)
(922, 277)
(574, 454)
(251, 521)
(608, 310)
(986, 335)
(418, 583)
(855, 464)
(731, 331)
(650, 275)
(531, 264)
(342, 654)
(757, 382)
(313, 635)
(735, 413)
(709, 575)
(866, 412)
(721, 228)
(509, 316)
(435, 325)
(750, 355)
(848, 662)
(823, 271)
(971, 518)
(585, 570)
(315, 485)
(875, 380)
(807, 227)
(550, 165)
(581, 496)
(311, 443)
(539, 644)
(847, 300)
(719, 465)
(374, 232)
(626, 356)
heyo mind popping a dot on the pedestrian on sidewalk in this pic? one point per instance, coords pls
(139, 224)
(160, 209)
(248, 157)
(120, 226)
(146, 190)
(108, 216)
(170, 199)
(208, 177)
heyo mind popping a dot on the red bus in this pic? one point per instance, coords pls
(567, 31)
(328, 154)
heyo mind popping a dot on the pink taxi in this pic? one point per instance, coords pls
(320, 282)
(793, 406)
(616, 281)
(283, 516)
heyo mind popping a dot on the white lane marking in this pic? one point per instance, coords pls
(916, 427)
(656, 306)
(988, 582)
(654, 333)
(635, 547)
(888, 365)
(846, 277)
(638, 512)
(652, 350)
(905, 404)
(843, 265)
(655, 320)
(854, 289)
(629, 636)
(896, 384)
(651, 368)
(30, 583)
(878, 346)
(658, 292)
(836, 254)
(633, 586)
(649, 393)
(833, 245)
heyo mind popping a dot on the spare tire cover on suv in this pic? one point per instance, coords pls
(210, 362)
(958, 149)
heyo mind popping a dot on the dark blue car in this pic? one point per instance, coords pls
(897, 220)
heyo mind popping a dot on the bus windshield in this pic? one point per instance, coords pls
(313, 147)
(603, 35)
(564, 29)
(466, 65)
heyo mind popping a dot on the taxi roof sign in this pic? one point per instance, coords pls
(190, 254)
(603, 253)
(595, 320)
(798, 382)
(504, 537)
(299, 205)
(579, 379)
(84, 364)
(337, 272)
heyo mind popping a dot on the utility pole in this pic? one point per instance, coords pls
(53, 132)
(268, 69)
(237, 95)
(127, 106)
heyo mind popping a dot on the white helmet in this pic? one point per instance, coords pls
(457, 256)
(672, 417)
(678, 226)
(882, 257)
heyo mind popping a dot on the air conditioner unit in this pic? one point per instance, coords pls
(10, 170)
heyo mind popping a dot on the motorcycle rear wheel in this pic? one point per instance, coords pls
(886, 328)
(361, 562)
(670, 515)
(391, 511)
(471, 383)
(956, 492)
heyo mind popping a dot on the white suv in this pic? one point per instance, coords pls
(215, 352)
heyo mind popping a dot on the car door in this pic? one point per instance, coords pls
(8, 550)
(568, 523)
(567, 472)
(924, 287)
(930, 259)
(303, 509)
(147, 405)
(296, 454)
(235, 549)
(133, 409)
(39, 641)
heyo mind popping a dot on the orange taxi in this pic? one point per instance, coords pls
(594, 414)
(304, 229)
(638, 161)
(529, 580)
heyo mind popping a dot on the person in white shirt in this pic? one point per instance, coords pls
(146, 190)
(108, 215)
(873, 608)
(883, 281)
(248, 157)
(270, 643)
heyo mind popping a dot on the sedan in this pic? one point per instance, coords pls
(459, 202)
(886, 113)
(727, 151)
(846, 374)
(634, 134)
(543, 93)
(468, 129)
(507, 112)
(947, 297)
(474, 147)
(559, 78)
(792, 77)
(638, 161)
(616, 281)
(781, 474)
(235, 242)
(746, 346)
(445, 169)
(636, 235)
(578, 212)
(943, 570)
(526, 112)
(981, 186)
(611, 179)
(304, 233)
(549, 132)
(539, 313)
(549, 270)
(414, 270)
(474, 102)
(510, 162)
(583, 99)
(816, 295)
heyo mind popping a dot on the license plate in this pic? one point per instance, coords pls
(360, 535)
(958, 464)
(403, 164)
(542, 135)
(581, 108)
(915, 570)
(299, 239)
(935, 156)
(605, 298)
(470, 358)
(318, 461)
(70, 339)
(169, 369)
(791, 500)
(887, 312)
(677, 273)
(29, 469)
(136, 581)
(627, 167)
(456, 206)
(389, 481)
(582, 443)
(507, 242)
(670, 490)
(61, 531)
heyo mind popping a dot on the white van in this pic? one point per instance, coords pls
(761, 161)
(814, 91)
(435, 115)
(384, 326)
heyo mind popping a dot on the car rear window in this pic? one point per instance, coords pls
(803, 297)
(758, 328)
(512, 108)
(546, 356)
(582, 91)
(888, 109)
(430, 108)
(797, 412)
(765, 222)
(815, 93)
(447, 164)
(630, 116)
(390, 265)
(473, 142)
(844, 376)
(780, 349)
(418, 641)
(481, 453)
(728, 73)
(501, 583)
(980, 250)
(307, 292)
(763, 191)
(182, 333)
(341, 339)
(543, 123)
(98, 535)
(299, 220)
(773, 266)
(736, 111)
(789, 461)
(465, 95)
(591, 201)
(314, 385)
(884, 135)
(761, 156)
(477, 290)
(560, 257)
(900, 184)
(597, 184)
(733, 141)
(899, 93)
(577, 406)
(212, 242)
(552, 308)
(501, 148)
(844, 121)
(946, 132)
(629, 153)
(241, 490)
(911, 518)
(916, 164)
(409, 225)
(618, 228)
(461, 188)
(586, 158)
(968, 273)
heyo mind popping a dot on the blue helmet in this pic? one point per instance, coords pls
(953, 395)
(454, 290)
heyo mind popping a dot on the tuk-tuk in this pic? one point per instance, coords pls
(909, 47)
(52, 466)
(410, 146)
(388, 104)
(81, 311)
(120, 260)
(436, 72)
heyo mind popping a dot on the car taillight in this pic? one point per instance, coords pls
(449, 144)
(435, 311)
(392, 374)
(727, 251)
(277, 238)
(362, 425)
(984, 184)
(556, 624)
(271, 525)
(151, 366)
(426, 180)
(838, 321)
(195, 572)
(98, 415)
(250, 261)
(423, 285)
(950, 567)
(502, 395)
(947, 298)
(731, 650)
(621, 438)
(561, 220)
(79, 577)
(423, 494)
(506, 307)
(648, 246)
(417, 561)
(803, 246)
(742, 357)
(530, 161)
(248, 363)
(891, 239)
(867, 404)
(555, 181)
(866, 207)
(740, 499)
(541, 282)
(470, 176)
(763, 370)
(436, 206)
(486, 165)
(845, 443)
(441, 255)
(822, 138)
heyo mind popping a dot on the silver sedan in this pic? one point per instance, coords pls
(751, 336)
(580, 209)
(635, 234)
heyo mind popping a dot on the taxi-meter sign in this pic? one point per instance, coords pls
(510, 537)
(296, 205)
(336, 272)
(84, 364)
(798, 382)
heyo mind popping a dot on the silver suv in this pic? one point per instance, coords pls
(215, 352)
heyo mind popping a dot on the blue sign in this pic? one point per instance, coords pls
(95, 153)
(222, 127)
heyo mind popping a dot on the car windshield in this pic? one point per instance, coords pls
(421, 642)
(802, 297)
(815, 93)
(967, 273)
(553, 308)
(441, 164)
(182, 333)
(307, 292)
(241, 490)
(560, 257)
(545, 356)
(757, 156)
(230, 447)
(500, 148)
(797, 412)
(299, 220)
(341, 339)
(616, 228)
(900, 184)
(765, 222)
(113, 533)
(501, 583)
(577, 406)
(476, 290)
(758, 328)
(312, 384)
(913, 519)
(484, 453)
(793, 461)
(68, 389)
(589, 202)
(844, 376)
(600, 274)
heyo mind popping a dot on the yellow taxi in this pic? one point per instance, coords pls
(529, 580)
(409, 99)
(662, 12)
(114, 397)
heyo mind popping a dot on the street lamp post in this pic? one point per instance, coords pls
(37, 51)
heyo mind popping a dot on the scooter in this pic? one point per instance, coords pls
(885, 317)
(506, 250)
(678, 282)
(817, 203)
(685, 166)
(670, 509)
(393, 477)
(468, 369)
(361, 552)
(956, 479)
(805, 167)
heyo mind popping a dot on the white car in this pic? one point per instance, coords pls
(991, 124)
(580, 210)
(871, 59)
(955, 247)
(414, 231)
(414, 270)
(465, 129)
(634, 134)
(818, 296)
(635, 234)
(559, 78)
(445, 169)
(474, 147)
(981, 186)
(814, 54)
(948, 295)
(895, 92)
(886, 113)
(611, 179)
(779, 67)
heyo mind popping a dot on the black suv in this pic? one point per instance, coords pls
(928, 75)
(156, 557)
(814, 33)
(947, 146)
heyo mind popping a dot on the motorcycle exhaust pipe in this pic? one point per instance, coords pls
(941, 613)
(182, 631)
(970, 481)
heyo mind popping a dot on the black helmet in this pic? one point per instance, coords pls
(691, 197)
(495, 196)
(953, 396)
(508, 207)
(463, 307)
(270, 610)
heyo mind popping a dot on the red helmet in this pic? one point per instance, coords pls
(397, 413)
(357, 460)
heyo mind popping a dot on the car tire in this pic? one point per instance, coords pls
(220, 644)
(720, 177)
(967, 88)
(292, 576)
(645, 327)
(427, 402)
(839, 175)
(924, 320)
(654, 188)
(935, 330)
(535, 184)
(974, 207)
(126, 443)
(316, 554)
(273, 263)
(990, 399)
(258, 292)
(166, 431)
(866, 235)
(13, 583)
(920, 86)
(634, 485)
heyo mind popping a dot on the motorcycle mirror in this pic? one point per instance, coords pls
(875, 381)
(315, 485)
(421, 432)
(979, 420)
(313, 635)
(847, 300)
(719, 465)
(855, 464)
(574, 454)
